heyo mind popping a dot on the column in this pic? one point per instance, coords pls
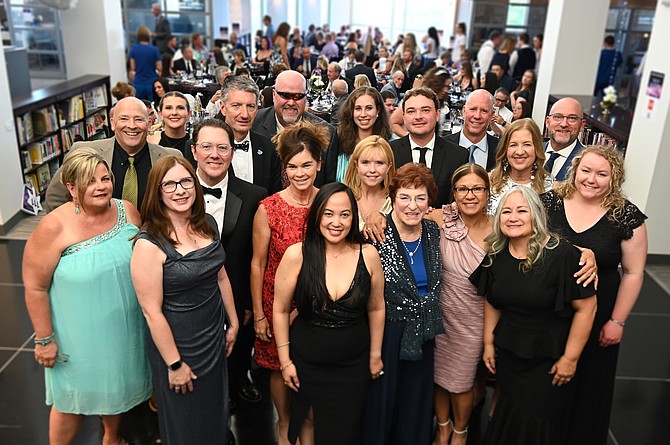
(648, 180)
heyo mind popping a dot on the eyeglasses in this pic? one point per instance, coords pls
(291, 96)
(497, 99)
(222, 150)
(463, 191)
(171, 186)
(558, 118)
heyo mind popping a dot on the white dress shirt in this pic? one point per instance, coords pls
(564, 154)
(213, 205)
(416, 153)
(243, 162)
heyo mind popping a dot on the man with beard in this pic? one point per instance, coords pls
(290, 97)
(565, 122)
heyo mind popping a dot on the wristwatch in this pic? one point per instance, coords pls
(174, 366)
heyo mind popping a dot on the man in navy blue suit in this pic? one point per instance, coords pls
(307, 63)
(565, 123)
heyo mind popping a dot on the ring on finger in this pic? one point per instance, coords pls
(40, 362)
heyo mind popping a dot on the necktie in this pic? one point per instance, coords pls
(244, 146)
(188, 66)
(422, 154)
(129, 192)
(473, 149)
(214, 192)
(549, 165)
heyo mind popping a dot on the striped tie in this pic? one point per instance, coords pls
(129, 192)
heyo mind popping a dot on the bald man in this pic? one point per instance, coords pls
(130, 126)
(565, 123)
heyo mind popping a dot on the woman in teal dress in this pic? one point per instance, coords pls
(89, 329)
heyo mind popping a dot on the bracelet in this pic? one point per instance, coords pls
(290, 362)
(620, 323)
(283, 344)
(259, 319)
(45, 341)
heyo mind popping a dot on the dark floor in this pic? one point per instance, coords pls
(639, 417)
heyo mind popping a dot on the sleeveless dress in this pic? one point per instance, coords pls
(535, 319)
(99, 327)
(459, 350)
(596, 369)
(287, 225)
(331, 352)
(194, 310)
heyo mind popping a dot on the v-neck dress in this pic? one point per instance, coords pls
(597, 366)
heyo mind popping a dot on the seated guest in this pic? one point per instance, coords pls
(306, 62)
(390, 101)
(263, 54)
(213, 105)
(502, 114)
(340, 91)
(399, 407)
(382, 65)
(361, 80)
(186, 64)
(504, 80)
(521, 110)
(526, 88)
(239, 62)
(395, 84)
(235, 44)
(161, 86)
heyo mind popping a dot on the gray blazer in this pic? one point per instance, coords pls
(57, 194)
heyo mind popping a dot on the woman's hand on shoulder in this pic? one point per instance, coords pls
(373, 229)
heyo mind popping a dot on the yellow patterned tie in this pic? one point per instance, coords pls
(129, 192)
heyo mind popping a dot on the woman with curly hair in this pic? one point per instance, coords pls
(363, 114)
(537, 320)
(589, 210)
(519, 162)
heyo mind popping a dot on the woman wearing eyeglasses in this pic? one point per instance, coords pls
(519, 162)
(465, 224)
(178, 271)
(278, 224)
(399, 407)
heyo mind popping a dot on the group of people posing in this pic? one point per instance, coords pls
(377, 282)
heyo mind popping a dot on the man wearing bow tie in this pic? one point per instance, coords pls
(255, 159)
(233, 203)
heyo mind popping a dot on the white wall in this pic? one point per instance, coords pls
(647, 156)
(93, 40)
(10, 167)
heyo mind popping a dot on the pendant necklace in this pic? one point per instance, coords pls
(302, 204)
(412, 253)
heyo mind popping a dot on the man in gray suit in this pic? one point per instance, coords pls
(161, 30)
(130, 125)
(290, 97)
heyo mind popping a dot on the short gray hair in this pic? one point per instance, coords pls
(219, 71)
(238, 83)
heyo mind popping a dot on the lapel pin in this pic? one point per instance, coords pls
(259, 152)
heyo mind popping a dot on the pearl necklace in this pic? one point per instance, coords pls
(412, 253)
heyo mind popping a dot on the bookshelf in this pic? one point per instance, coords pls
(50, 120)
(611, 129)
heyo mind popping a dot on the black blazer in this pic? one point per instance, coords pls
(447, 157)
(242, 201)
(180, 65)
(266, 124)
(362, 69)
(492, 142)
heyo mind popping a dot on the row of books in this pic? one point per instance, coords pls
(96, 97)
(71, 109)
(36, 123)
(70, 135)
(96, 123)
(40, 152)
(591, 137)
(40, 178)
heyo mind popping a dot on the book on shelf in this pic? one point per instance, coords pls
(24, 125)
(44, 150)
(45, 120)
(96, 123)
(26, 161)
(43, 177)
(589, 136)
(96, 97)
(31, 178)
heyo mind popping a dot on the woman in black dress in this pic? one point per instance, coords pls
(536, 322)
(399, 406)
(334, 346)
(175, 112)
(182, 286)
(590, 211)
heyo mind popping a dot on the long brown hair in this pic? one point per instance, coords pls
(347, 130)
(155, 219)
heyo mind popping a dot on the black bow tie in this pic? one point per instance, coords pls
(214, 192)
(244, 146)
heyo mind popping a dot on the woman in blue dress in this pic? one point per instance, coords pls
(88, 325)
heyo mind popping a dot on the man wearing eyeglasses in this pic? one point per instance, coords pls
(233, 203)
(501, 114)
(256, 159)
(127, 151)
(290, 98)
(565, 123)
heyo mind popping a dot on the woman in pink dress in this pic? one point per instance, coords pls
(465, 224)
(278, 224)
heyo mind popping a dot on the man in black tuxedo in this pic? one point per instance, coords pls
(187, 63)
(233, 203)
(481, 146)
(360, 68)
(256, 159)
(421, 114)
(290, 97)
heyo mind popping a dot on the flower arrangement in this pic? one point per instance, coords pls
(609, 99)
(316, 81)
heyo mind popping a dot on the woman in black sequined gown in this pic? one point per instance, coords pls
(589, 211)
(334, 346)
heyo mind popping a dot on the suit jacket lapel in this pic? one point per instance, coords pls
(257, 158)
(232, 210)
(439, 155)
(405, 152)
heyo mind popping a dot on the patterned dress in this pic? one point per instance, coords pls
(287, 227)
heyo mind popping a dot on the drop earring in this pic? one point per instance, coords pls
(532, 173)
(76, 207)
